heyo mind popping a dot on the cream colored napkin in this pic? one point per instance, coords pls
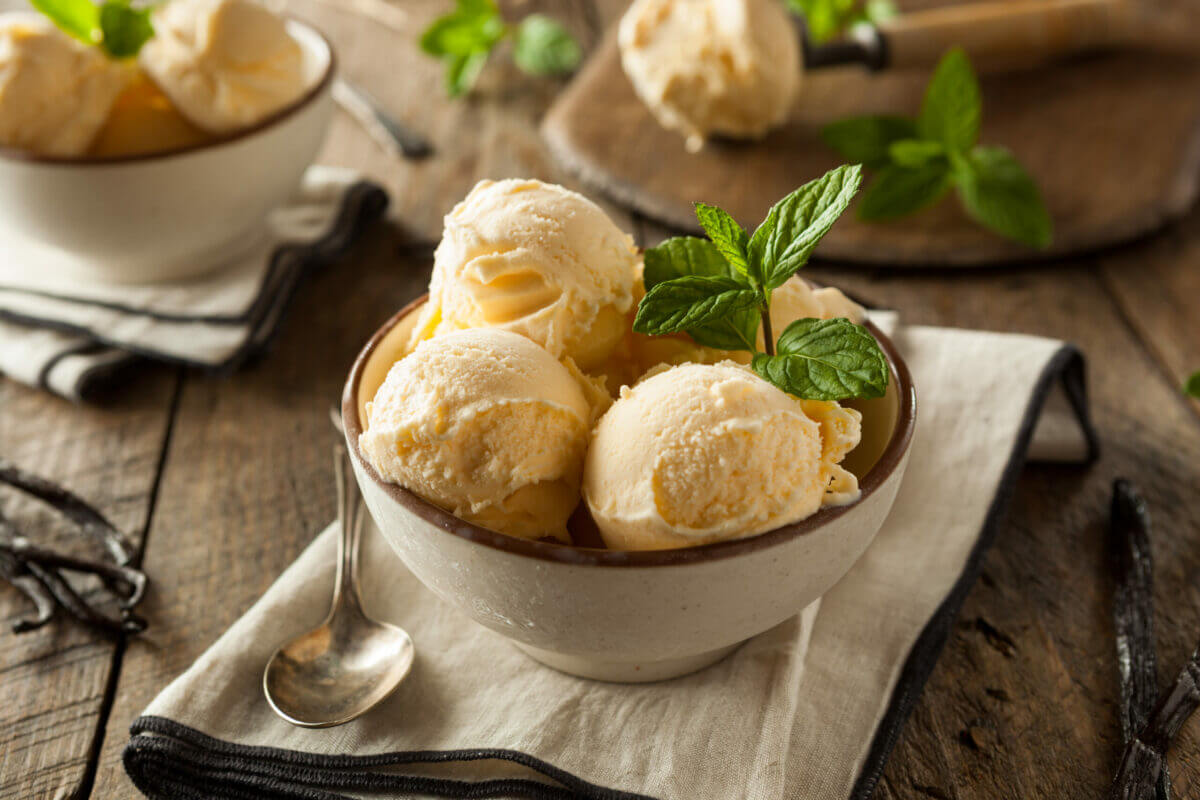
(808, 709)
(65, 334)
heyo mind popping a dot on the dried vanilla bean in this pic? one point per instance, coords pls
(71, 506)
(13, 571)
(1145, 757)
(1133, 615)
(37, 571)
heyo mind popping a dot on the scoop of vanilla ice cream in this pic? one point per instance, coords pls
(535, 259)
(55, 92)
(703, 67)
(701, 453)
(487, 425)
(226, 64)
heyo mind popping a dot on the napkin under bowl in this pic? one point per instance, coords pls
(165, 216)
(621, 615)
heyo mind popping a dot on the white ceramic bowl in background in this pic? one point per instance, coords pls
(171, 215)
(632, 616)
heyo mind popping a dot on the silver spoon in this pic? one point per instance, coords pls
(348, 665)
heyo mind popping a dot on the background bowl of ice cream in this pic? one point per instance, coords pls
(172, 214)
(624, 615)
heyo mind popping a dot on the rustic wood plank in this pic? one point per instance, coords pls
(55, 680)
(1157, 288)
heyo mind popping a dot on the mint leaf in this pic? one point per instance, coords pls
(1192, 385)
(78, 18)
(898, 191)
(867, 139)
(826, 359)
(690, 302)
(463, 71)
(915, 152)
(474, 25)
(998, 193)
(463, 39)
(825, 19)
(124, 29)
(680, 256)
(688, 255)
(543, 47)
(794, 225)
(729, 237)
(953, 105)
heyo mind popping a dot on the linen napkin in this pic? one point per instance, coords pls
(67, 335)
(808, 709)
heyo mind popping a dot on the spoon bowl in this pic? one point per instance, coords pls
(350, 663)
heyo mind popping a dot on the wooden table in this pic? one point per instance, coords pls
(223, 481)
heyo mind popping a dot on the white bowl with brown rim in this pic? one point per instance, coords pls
(167, 215)
(622, 615)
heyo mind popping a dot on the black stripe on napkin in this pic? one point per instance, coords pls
(170, 761)
(1068, 370)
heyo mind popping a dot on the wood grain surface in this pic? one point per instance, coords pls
(1113, 142)
(227, 479)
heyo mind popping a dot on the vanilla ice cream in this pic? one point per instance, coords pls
(225, 64)
(703, 453)
(55, 92)
(487, 425)
(535, 259)
(704, 67)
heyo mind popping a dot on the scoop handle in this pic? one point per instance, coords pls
(1007, 34)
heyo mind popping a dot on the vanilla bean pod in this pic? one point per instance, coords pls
(37, 571)
(1145, 757)
(13, 571)
(71, 506)
(1133, 616)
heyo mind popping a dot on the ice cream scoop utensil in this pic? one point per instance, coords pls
(350, 663)
(1006, 34)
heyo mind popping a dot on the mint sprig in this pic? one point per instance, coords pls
(918, 160)
(718, 290)
(1192, 385)
(825, 19)
(827, 359)
(115, 26)
(465, 37)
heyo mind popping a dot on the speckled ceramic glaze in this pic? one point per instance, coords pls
(165, 216)
(633, 616)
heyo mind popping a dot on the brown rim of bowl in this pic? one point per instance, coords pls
(17, 154)
(888, 461)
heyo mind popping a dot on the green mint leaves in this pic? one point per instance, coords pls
(825, 359)
(543, 47)
(718, 289)
(1192, 385)
(688, 256)
(466, 36)
(827, 18)
(115, 27)
(917, 161)
(794, 225)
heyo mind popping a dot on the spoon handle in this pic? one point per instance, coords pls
(350, 515)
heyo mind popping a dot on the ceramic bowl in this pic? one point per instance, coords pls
(171, 215)
(632, 616)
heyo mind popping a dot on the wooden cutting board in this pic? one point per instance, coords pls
(1113, 141)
